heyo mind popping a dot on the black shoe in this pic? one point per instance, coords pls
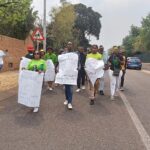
(101, 93)
(92, 102)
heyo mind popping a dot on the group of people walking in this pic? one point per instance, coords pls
(114, 65)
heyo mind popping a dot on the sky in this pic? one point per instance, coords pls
(117, 17)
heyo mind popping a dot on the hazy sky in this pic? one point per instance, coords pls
(117, 16)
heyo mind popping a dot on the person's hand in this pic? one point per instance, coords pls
(39, 71)
(106, 67)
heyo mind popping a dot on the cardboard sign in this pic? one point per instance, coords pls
(94, 69)
(68, 72)
(30, 87)
(50, 71)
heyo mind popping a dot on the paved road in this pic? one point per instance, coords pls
(138, 93)
(104, 126)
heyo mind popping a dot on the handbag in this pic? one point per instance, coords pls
(116, 71)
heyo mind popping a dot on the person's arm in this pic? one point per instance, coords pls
(45, 67)
(56, 59)
(101, 57)
(121, 60)
(109, 62)
(29, 66)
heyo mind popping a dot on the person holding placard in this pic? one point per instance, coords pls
(38, 65)
(67, 73)
(93, 87)
(50, 55)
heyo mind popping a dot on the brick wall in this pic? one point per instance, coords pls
(16, 49)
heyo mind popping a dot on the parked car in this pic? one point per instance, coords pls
(134, 63)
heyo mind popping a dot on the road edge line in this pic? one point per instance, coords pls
(136, 121)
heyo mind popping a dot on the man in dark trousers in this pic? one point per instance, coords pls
(81, 70)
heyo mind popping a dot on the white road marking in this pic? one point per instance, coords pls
(141, 130)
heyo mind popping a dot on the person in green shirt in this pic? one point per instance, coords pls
(53, 57)
(50, 55)
(94, 89)
(37, 64)
(94, 53)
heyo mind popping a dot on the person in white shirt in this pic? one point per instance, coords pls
(2, 54)
(105, 59)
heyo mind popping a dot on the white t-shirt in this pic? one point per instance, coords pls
(1, 60)
(2, 54)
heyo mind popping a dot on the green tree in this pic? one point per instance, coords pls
(145, 33)
(17, 18)
(60, 29)
(87, 23)
(131, 42)
(138, 38)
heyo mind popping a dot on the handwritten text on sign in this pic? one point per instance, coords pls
(94, 69)
(30, 87)
(68, 64)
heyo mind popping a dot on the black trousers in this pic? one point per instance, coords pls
(81, 78)
(122, 78)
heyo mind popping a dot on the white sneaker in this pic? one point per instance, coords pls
(65, 102)
(50, 88)
(36, 109)
(69, 106)
(78, 90)
(112, 98)
(83, 87)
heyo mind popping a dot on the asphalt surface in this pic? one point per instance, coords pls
(104, 126)
(138, 93)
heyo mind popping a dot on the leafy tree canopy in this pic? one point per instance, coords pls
(16, 18)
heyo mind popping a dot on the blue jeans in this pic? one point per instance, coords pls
(69, 92)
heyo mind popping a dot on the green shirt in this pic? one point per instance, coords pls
(51, 56)
(37, 65)
(97, 56)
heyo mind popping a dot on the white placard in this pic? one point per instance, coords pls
(50, 71)
(94, 69)
(24, 63)
(67, 73)
(30, 87)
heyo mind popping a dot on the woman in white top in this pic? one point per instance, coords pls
(2, 54)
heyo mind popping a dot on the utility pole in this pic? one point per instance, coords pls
(44, 26)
